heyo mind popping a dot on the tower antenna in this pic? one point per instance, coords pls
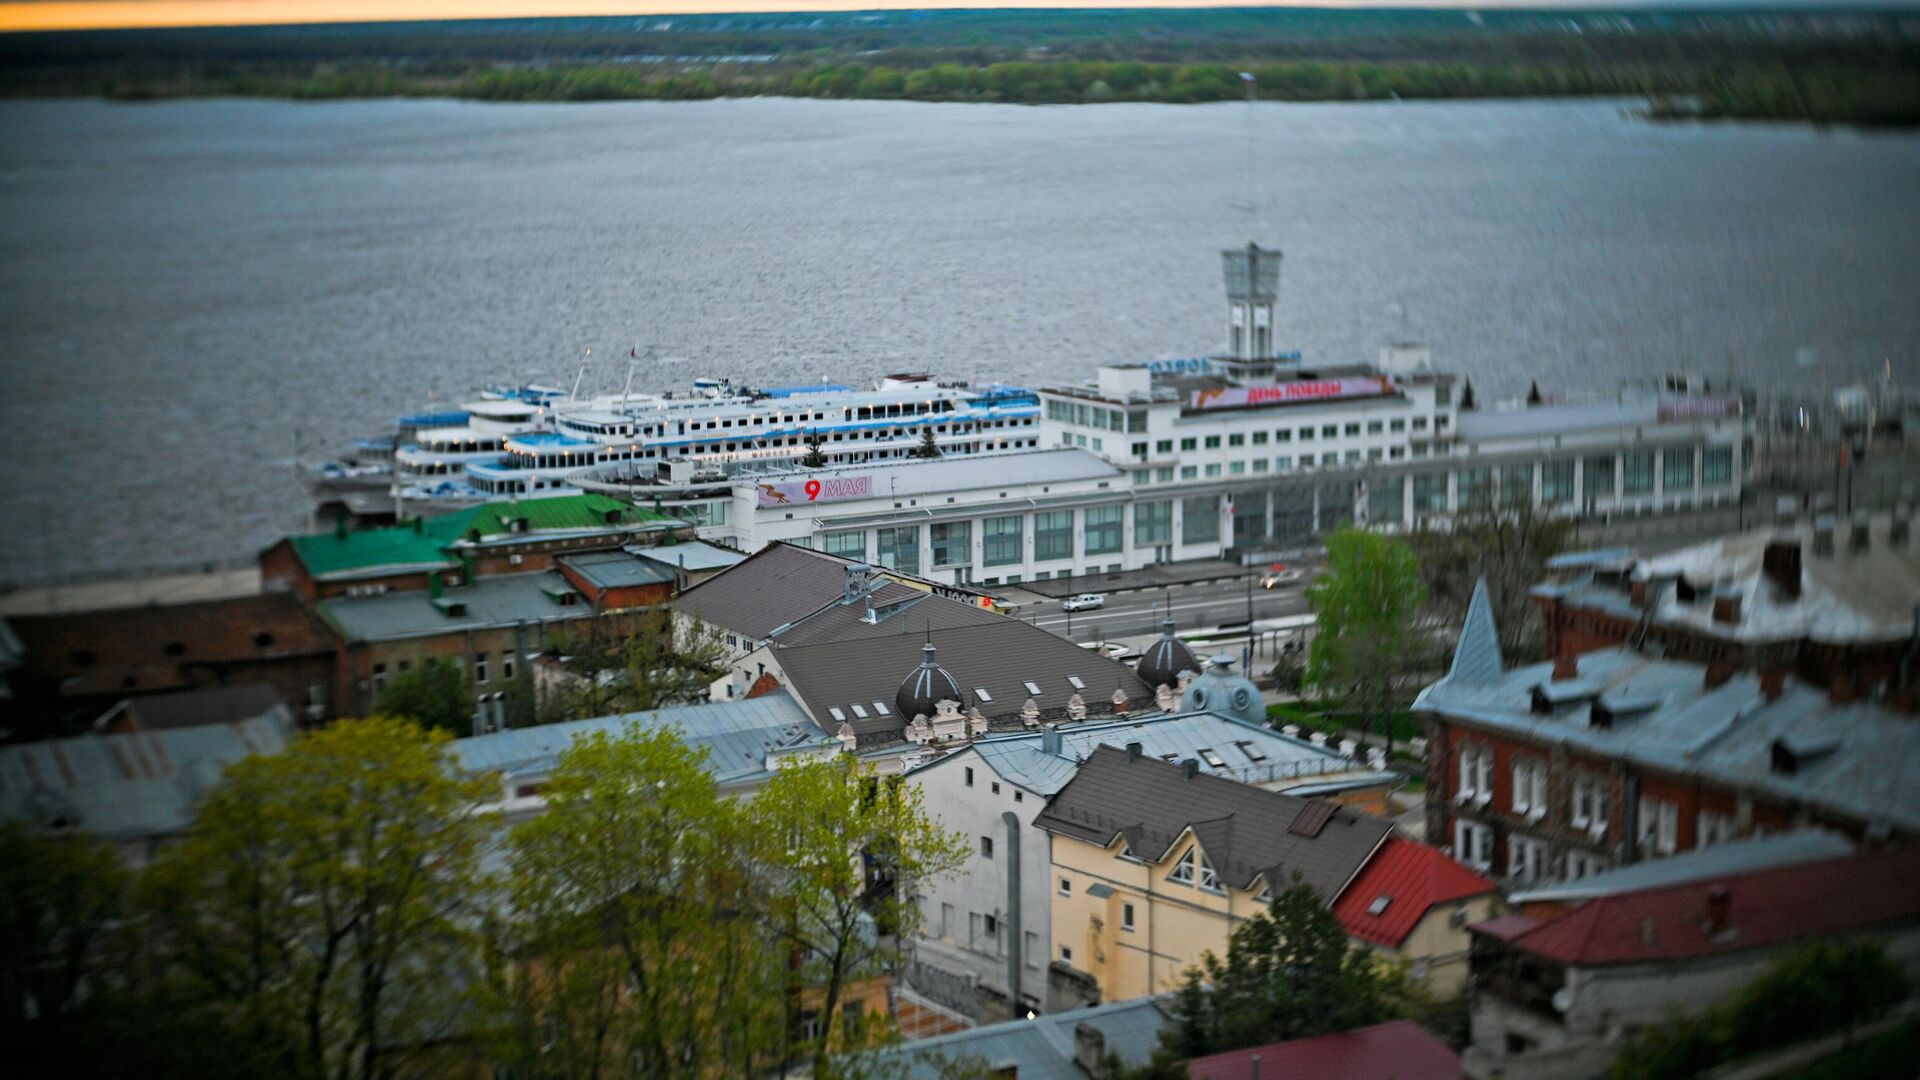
(1246, 78)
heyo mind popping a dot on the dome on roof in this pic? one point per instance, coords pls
(1225, 692)
(926, 686)
(1165, 659)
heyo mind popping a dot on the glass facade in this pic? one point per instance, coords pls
(1596, 477)
(1676, 470)
(1556, 483)
(1200, 519)
(1053, 535)
(1476, 486)
(1103, 529)
(1153, 523)
(849, 545)
(1430, 493)
(900, 548)
(1636, 472)
(1386, 500)
(1000, 541)
(1717, 466)
(952, 543)
(1516, 484)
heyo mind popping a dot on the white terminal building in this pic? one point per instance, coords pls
(1294, 449)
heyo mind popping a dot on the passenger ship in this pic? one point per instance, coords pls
(538, 441)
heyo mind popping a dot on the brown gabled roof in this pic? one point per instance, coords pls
(777, 585)
(1000, 655)
(1245, 831)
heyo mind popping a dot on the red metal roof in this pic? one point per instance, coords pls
(1766, 907)
(1413, 877)
(1397, 1050)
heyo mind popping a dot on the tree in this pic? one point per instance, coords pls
(927, 448)
(1369, 645)
(637, 944)
(653, 666)
(332, 893)
(841, 852)
(60, 897)
(1507, 543)
(816, 455)
(1289, 973)
(433, 695)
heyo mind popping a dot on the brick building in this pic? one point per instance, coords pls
(1835, 605)
(1556, 770)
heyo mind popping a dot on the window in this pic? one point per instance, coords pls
(1526, 858)
(1530, 787)
(1183, 870)
(1126, 917)
(1676, 469)
(1259, 464)
(952, 543)
(1212, 757)
(1476, 775)
(1717, 466)
(1032, 951)
(1194, 869)
(1374, 427)
(1213, 442)
(1473, 844)
(986, 849)
(1659, 832)
(1556, 483)
(1213, 469)
(1386, 500)
(1328, 431)
(1516, 485)
(1200, 519)
(1053, 535)
(1189, 472)
(849, 545)
(1589, 805)
(969, 776)
(1596, 477)
(379, 677)
(1283, 435)
(1306, 434)
(1476, 486)
(1636, 472)
(1583, 863)
(1259, 438)
(1236, 468)
(1430, 493)
(995, 787)
(1066, 954)
(1163, 446)
(1282, 463)
(1712, 828)
(1353, 428)
(1153, 523)
(506, 665)
(1189, 444)
(1103, 529)
(1236, 440)
(1000, 538)
(479, 667)
(1397, 425)
(900, 548)
(1066, 887)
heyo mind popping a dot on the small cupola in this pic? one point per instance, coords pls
(1225, 692)
(925, 687)
(1165, 659)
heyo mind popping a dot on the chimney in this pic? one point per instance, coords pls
(1566, 667)
(1781, 564)
(1773, 683)
(1823, 535)
(1133, 752)
(856, 581)
(1050, 741)
(1862, 536)
(1089, 1050)
(1841, 689)
(1190, 767)
(1726, 605)
(1639, 592)
(1718, 672)
(1719, 910)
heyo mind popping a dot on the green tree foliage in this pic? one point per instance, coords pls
(60, 898)
(816, 455)
(1289, 973)
(433, 695)
(652, 665)
(927, 448)
(331, 894)
(1369, 645)
(1509, 544)
(638, 943)
(840, 852)
(1809, 991)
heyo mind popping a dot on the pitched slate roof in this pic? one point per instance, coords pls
(1768, 907)
(1412, 878)
(506, 600)
(1477, 659)
(1039, 1049)
(190, 708)
(1000, 656)
(1244, 830)
(777, 585)
(1396, 1050)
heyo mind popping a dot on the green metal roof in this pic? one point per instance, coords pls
(424, 544)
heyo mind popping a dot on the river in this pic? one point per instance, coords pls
(192, 293)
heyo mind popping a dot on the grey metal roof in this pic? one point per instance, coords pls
(618, 569)
(970, 472)
(694, 556)
(894, 609)
(1245, 831)
(1727, 732)
(1040, 1049)
(1000, 656)
(507, 600)
(737, 736)
(129, 786)
(189, 708)
(1252, 754)
(1738, 857)
(1477, 658)
(1544, 420)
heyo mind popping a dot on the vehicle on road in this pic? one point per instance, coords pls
(1278, 578)
(1083, 602)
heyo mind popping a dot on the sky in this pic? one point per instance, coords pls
(102, 14)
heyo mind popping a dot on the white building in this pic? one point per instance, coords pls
(987, 519)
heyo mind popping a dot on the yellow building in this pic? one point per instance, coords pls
(1155, 863)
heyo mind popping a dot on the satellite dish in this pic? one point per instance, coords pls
(1563, 1000)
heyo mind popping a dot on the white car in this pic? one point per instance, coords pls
(1083, 602)
(1279, 578)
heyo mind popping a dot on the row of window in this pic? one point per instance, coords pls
(1081, 414)
(480, 671)
(1002, 539)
